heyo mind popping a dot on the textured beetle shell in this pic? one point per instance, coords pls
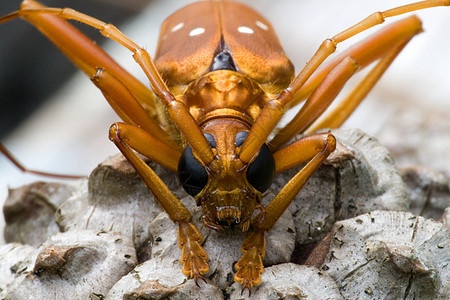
(182, 56)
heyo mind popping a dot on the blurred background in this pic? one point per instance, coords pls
(53, 119)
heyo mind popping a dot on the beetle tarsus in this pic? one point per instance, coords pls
(249, 267)
(193, 257)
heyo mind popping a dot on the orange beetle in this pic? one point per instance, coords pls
(221, 83)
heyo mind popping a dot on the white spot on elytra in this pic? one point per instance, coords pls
(177, 27)
(245, 29)
(262, 25)
(197, 31)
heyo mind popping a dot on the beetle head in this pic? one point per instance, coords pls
(227, 189)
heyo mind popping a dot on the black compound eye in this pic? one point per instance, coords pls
(261, 171)
(191, 172)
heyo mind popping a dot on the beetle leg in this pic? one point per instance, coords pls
(185, 123)
(131, 100)
(303, 150)
(194, 258)
(302, 86)
(176, 210)
(383, 45)
(129, 110)
(319, 101)
(374, 19)
(82, 51)
(24, 169)
(113, 79)
(261, 129)
(337, 116)
(314, 148)
(313, 108)
(139, 140)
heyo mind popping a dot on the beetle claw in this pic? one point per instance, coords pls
(196, 278)
(246, 288)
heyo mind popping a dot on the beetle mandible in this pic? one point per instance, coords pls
(220, 84)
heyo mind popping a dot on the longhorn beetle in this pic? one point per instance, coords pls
(220, 83)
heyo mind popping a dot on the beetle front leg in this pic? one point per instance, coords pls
(193, 258)
(315, 149)
(178, 112)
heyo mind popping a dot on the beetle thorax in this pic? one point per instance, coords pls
(224, 93)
